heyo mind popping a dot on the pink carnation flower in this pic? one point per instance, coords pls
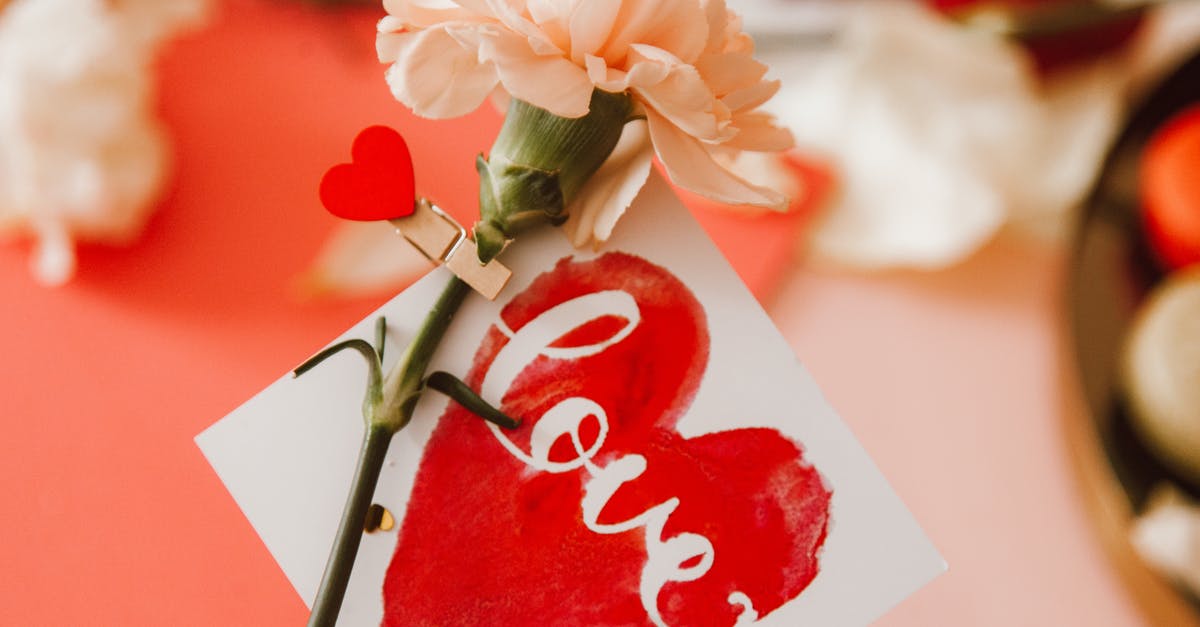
(687, 63)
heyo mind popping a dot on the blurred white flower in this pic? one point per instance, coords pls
(941, 135)
(81, 156)
(938, 133)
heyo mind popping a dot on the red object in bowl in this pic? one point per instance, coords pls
(1169, 188)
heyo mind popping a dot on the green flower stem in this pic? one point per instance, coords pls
(328, 603)
(402, 390)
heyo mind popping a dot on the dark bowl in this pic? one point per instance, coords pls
(1111, 271)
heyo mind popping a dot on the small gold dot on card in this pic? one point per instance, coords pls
(378, 519)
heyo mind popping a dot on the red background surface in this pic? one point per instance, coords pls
(113, 517)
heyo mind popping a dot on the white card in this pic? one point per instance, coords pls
(676, 463)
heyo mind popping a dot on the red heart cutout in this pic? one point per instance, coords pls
(490, 539)
(377, 185)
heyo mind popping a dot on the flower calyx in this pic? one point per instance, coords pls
(539, 162)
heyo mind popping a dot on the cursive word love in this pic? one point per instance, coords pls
(680, 558)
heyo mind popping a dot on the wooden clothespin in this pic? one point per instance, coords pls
(443, 240)
(378, 184)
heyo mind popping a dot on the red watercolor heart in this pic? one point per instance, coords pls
(488, 539)
(377, 185)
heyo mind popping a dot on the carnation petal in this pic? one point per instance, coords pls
(478, 7)
(600, 74)
(547, 81)
(677, 26)
(590, 26)
(509, 16)
(751, 97)
(544, 12)
(605, 197)
(758, 132)
(434, 74)
(553, 18)
(690, 165)
(642, 74)
(388, 40)
(684, 99)
(727, 73)
(717, 16)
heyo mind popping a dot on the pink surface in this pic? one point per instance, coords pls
(952, 383)
(114, 517)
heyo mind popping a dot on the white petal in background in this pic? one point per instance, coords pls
(363, 258)
(81, 156)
